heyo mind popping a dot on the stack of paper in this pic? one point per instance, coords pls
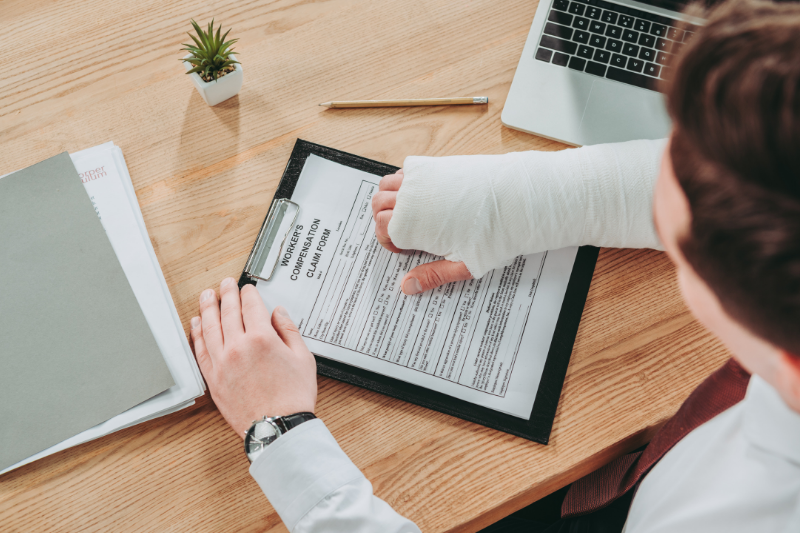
(105, 177)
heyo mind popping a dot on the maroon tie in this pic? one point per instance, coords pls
(722, 389)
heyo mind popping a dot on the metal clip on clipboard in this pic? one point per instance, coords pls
(254, 268)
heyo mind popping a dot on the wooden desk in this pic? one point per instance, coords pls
(87, 72)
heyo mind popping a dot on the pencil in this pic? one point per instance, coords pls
(466, 100)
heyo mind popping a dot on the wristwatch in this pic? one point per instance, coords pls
(264, 432)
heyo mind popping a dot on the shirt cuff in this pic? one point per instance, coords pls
(300, 469)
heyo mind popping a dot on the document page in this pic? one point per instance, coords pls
(482, 340)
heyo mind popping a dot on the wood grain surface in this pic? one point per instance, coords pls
(90, 71)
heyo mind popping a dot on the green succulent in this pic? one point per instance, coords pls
(211, 56)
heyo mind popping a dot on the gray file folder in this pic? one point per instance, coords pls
(75, 348)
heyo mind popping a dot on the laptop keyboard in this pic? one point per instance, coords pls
(611, 41)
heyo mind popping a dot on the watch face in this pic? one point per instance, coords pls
(261, 435)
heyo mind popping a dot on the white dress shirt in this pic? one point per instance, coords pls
(739, 472)
(316, 488)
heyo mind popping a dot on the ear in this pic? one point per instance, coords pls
(788, 379)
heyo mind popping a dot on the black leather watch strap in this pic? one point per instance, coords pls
(292, 421)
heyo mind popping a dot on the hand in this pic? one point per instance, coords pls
(254, 365)
(424, 277)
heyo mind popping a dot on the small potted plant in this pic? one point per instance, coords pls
(212, 66)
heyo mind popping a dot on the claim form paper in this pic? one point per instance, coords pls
(484, 341)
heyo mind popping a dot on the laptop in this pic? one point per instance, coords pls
(590, 70)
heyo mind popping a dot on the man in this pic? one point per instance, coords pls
(726, 207)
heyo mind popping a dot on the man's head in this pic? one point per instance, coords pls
(728, 197)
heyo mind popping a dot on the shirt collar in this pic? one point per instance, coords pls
(769, 423)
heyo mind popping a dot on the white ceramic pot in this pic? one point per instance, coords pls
(214, 92)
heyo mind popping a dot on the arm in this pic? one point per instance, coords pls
(316, 489)
(257, 364)
(485, 210)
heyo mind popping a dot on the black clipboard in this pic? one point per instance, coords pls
(537, 428)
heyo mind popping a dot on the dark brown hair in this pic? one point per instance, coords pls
(734, 100)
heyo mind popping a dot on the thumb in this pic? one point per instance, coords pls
(287, 330)
(431, 275)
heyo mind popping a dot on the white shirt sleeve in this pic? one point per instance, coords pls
(485, 210)
(315, 488)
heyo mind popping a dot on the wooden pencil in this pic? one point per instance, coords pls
(466, 100)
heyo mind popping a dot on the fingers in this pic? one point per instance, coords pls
(212, 328)
(254, 312)
(200, 351)
(287, 330)
(383, 200)
(391, 182)
(431, 275)
(382, 205)
(230, 309)
(382, 231)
